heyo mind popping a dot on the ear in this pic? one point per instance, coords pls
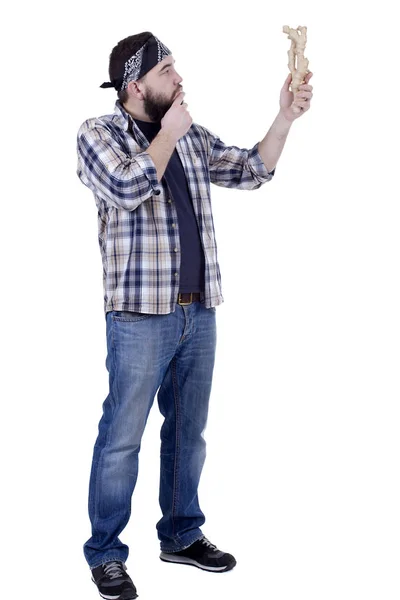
(134, 89)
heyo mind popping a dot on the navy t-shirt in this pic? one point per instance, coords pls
(192, 254)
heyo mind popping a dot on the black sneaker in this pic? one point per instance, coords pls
(113, 582)
(202, 554)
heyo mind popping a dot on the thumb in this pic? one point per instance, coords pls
(287, 81)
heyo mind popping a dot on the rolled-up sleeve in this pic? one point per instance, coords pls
(234, 167)
(103, 166)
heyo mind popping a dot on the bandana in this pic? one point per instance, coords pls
(148, 56)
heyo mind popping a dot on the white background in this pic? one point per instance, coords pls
(301, 480)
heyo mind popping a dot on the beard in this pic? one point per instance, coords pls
(156, 106)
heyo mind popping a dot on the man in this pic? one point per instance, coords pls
(150, 168)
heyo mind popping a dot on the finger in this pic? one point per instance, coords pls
(303, 104)
(304, 94)
(179, 98)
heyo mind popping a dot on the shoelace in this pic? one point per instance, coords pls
(113, 569)
(207, 542)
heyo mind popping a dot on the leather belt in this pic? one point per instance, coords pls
(185, 298)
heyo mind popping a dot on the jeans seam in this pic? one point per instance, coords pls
(101, 457)
(176, 460)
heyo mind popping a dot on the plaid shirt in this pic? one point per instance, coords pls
(139, 247)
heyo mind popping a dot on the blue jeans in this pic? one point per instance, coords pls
(173, 354)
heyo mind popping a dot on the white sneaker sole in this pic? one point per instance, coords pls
(183, 560)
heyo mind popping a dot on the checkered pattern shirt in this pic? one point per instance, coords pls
(140, 249)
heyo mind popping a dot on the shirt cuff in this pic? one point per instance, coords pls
(148, 167)
(257, 165)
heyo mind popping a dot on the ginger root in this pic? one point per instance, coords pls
(299, 71)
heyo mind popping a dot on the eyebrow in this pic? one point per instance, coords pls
(165, 66)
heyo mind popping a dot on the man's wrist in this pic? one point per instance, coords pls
(282, 124)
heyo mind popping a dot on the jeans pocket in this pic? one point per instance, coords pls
(128, 315)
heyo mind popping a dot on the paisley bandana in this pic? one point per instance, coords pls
(147, 57)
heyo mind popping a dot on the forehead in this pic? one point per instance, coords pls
(166, 60)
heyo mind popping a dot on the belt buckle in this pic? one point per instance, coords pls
(185, 303)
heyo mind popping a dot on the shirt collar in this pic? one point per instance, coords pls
(124, 117)
(129, 125)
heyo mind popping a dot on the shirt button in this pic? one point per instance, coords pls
(169, 201)
(176, 274)
(175, 249)
(173, 225)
